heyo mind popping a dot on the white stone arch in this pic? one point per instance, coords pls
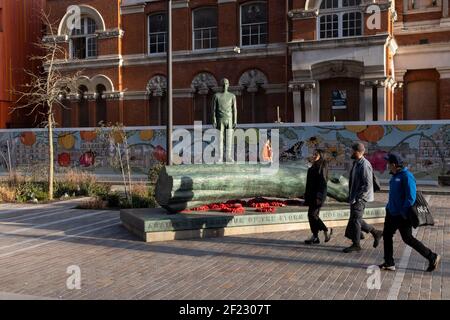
(104, 80)
(85, 11)
(85, 81)
(253, 79)
(157, 86)
(204, 82)
(312, 4)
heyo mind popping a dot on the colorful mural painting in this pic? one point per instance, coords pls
(424, 145)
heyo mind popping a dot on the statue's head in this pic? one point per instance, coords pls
(225, 84)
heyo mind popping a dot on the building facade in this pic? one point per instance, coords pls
(20, 28)
(287, 60)
(361, 60)
(121, 49)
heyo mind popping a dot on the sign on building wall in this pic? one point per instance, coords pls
(339, 99)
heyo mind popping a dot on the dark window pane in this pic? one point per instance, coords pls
(205, 18)
(254, 13)
(92, 27)
(263, 38)
(158, 22)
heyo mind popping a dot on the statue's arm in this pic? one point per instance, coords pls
(213, 113)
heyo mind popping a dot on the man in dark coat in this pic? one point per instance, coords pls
(360, 192)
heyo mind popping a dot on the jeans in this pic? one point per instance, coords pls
(391, 224)
(316, 224)
(356, 224)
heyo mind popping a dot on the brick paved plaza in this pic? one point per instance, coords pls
(38, 244)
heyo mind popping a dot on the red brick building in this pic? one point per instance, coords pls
(352, 60)
(121, 46)
(313, 60)
(20, 27)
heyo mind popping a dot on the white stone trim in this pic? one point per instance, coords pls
(140, 8)
(428, 56)
(444, 72)
(274, 88)
(358, 41)
(423, 10)
(104, 80)
(180, 4)
(106, 61)
(195, 55)
(85, 10)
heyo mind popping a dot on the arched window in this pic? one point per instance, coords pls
(203, 86)
(83, 107)
(253, 108)
(205, 28)
(157, 33)
(254, 24)
(340, 18)
(100, 104)
(83, 41)
(66, 112)
(157, 100)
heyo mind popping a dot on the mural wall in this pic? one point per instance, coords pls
(424, 145)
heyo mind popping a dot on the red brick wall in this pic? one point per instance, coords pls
(445, 98)
(432, 37)
(134, 42)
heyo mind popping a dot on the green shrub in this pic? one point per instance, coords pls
(97, 189)
(63, 187)
(113, 199)
(31, 190)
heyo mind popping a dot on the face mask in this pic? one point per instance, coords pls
(353, 156)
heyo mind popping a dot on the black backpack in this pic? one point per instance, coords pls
(420, 213)
(376, 183)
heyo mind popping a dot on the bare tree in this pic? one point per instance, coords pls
(46, 87)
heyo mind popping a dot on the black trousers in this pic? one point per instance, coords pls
(356, 223)
(315, 223)
(391, 225)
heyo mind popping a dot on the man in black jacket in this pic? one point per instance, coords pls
(315, 195)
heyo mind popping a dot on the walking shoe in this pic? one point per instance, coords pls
(434, 262)
(388, 267)
(377, 234)
(328, 234)
(353, 247)
(313, 240)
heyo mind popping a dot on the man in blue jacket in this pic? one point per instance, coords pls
(402, 195)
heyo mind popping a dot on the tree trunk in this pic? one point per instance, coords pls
(50, 156)
(187, 186)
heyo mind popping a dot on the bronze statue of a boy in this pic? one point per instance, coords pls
(224, 118)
